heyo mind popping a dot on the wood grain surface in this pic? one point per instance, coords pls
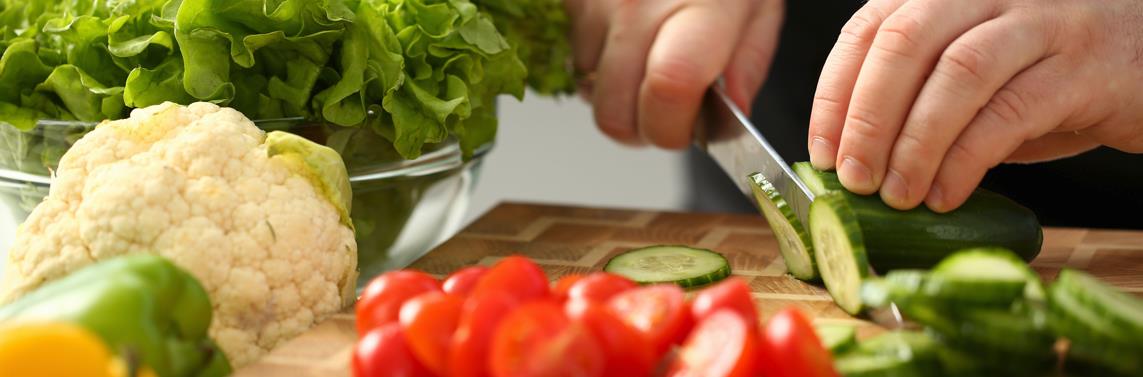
(567, 240)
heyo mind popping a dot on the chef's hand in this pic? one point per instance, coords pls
(919, 98)
(651, 61)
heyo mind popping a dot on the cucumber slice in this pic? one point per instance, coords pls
(896, 353)
(900, 286)
(984, 276)
(997, 335)
(793, 240)
(819, 182)
(838, 339)
(682, 265)
(840, 249)
(858, 365)
(1118, 309)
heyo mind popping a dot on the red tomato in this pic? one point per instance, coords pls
(561, 287)
(383, 352)
(732, 293)
(792, 348)
(462, 281)
(381, 300)
(517, 276)
(626, 351)
(722, 345)
(473, 338)
(429, 321)
(600, 286)
(538, 339)
(659, 312)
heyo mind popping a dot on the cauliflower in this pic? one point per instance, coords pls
(262, 221)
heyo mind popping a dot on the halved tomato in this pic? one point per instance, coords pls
(732, 293)
(384, 352)
(538, 339)
(626, 351)
(722, 345)
(600, 286)
(473, 338)
(659, 312)
(561, 287)
(791, 348)
(381, 301)
(517, 276)
(463, 281)
(429, 321)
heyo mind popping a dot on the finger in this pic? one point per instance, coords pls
(682, 64)
(589, 28)
(1029, 106)
(902, 55)
(622, 65)
(750, 64)
(1053, 146)
(835, 86)
(969, 71)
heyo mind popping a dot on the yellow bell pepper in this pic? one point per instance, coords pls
(59, 349)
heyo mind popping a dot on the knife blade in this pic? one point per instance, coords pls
(725, 133)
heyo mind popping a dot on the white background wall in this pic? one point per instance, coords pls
(549, 150)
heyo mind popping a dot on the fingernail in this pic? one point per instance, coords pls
(895, 191)
(854, 175)
(821, 153)
(935, 199)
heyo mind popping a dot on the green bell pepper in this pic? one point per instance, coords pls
(141, 305)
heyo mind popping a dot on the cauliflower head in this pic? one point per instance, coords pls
(261, 220)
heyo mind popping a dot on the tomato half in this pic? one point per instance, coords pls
(429, 321)
(790, 348)
(381, 300)
(384, 352)
(659, 312)
(538, 339)
(516, 275)
(463, 281)
(561, 287)
(722, 345)
(473, 338)
(732, 293)
(626, 351)
(600, 286)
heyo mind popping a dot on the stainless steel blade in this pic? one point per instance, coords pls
(726, 134)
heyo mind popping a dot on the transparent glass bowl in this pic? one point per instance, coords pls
(401, 208)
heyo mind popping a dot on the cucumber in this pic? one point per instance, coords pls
(984, 276)
(895, 353)
(819, 182)
(793, 240)
(996, 335)
(900, 286)
(682, 265)
(857, 365)
(1095, 340)
(838, 339)
(840, 249)
(920, 238)
(1117, 308)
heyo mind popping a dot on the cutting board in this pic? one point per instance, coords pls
(565, 240)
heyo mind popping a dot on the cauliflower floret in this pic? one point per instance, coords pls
(262, 222)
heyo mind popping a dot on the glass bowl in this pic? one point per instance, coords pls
(401, 208)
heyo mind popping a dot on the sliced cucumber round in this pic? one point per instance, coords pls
(818, 181)
(839, 249)
(985, 276)
(682, 265)
(837, 338)
(1117, 308)
(793, 240)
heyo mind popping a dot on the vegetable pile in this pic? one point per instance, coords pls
(508, 320)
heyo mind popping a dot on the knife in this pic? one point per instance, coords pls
(724, 132)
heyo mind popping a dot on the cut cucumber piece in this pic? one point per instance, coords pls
(793, 240)
(896, 353)
(840, 249)
(837, 339)
(819, 182)
(858, 365)
(900, 286)
(682, 265)
(996, 335)
(1118, 309)
(982, 276)
(920, 238)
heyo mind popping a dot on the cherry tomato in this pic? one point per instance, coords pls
(517, 276)
(473, 338)
(732, 293)
(381, 300)
(659, 312)
(561, 287)
(538, 339)
(600, 286)
(626, 351)
(792, 348)
(429, 321)
(384, 352)
(461, 282)
(723, 344)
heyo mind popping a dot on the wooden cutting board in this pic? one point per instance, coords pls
(566, 240)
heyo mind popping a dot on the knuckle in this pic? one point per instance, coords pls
(862, 125)
(898, 36)
(966, 156)
(1008, 106)
(675, 80)
(861, 26)
(964, 62)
